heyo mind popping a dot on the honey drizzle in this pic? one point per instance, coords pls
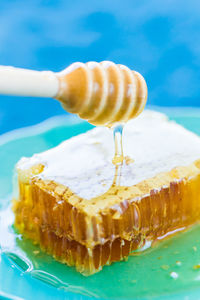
(118, 159)
(119, 154)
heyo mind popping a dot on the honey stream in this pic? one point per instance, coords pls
(118, 159)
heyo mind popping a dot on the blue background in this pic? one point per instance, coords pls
(160, 39)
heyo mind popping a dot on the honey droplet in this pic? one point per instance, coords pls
(128, 160)
(117, 134)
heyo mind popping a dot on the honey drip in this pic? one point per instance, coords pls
(120, 161)
(117, 134)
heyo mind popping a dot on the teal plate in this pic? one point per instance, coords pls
(169, 270)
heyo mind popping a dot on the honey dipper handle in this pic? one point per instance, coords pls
(22, 82)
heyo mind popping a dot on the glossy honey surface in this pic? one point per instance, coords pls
(90, 242)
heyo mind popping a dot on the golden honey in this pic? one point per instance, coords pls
(88, 241)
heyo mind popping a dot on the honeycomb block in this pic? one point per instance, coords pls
(90, 232)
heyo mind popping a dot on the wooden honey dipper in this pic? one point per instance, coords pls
(102, 93)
